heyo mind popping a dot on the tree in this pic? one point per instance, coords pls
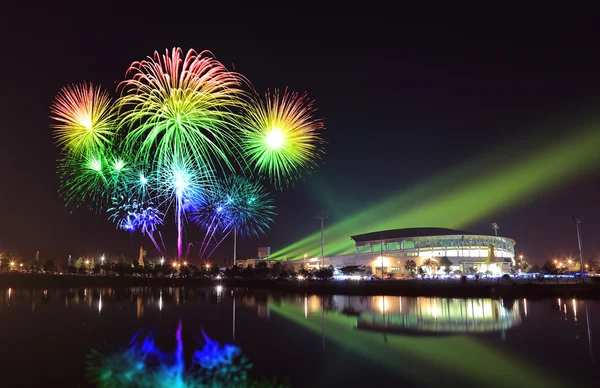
(446, 263)
(291, 270)
(593, 266)
(79, 263)
(421, 270)
(324, 273)
(233, 272)
(410, 266)
(49, 265)
(262, 270)
(303, 271)
(431, 264)
(549, 267)
(215, 270)
(277, 269)
(249, 272)
(534, 269)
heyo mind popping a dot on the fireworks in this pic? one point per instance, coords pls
(180, 184)
(180, 105)
(281, 136)
(184, 119)
(131, 214)
(84, 180)
(84, 119)
(92, 179)
(234, 204)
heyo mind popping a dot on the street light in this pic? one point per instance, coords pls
(185, 263)
(102, 259)
(162, 261)
(577, 222)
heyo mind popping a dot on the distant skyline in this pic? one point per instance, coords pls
(407, 97)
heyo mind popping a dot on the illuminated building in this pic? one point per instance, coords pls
(467, 252)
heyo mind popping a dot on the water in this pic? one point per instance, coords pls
(312, 341)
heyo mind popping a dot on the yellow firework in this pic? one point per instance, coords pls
(84, 119)
(282, 136)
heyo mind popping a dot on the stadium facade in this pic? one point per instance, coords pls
(390, 250)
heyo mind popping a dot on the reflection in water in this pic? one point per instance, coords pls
(233, 329)
(140, 307)
(305, 307)
(421, 314)
(378, 313)
(589, 333)
(381, 328)
(160, 301)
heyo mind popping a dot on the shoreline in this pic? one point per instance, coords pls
(365, 288)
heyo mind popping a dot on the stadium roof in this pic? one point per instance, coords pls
(411, 232)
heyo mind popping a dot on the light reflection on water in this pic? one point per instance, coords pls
(378, 328)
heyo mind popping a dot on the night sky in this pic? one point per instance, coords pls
(406, 95)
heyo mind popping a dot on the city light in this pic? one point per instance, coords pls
(185, 263)
(162, 260)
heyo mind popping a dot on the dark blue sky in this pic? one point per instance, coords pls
(398, 87)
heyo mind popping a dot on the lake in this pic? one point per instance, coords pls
(307, 340)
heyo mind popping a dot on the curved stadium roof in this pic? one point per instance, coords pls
(412, 232)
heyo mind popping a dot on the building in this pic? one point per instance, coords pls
(468, 252)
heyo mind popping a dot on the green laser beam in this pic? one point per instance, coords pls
(461, 197)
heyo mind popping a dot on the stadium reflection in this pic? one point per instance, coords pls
(410, 315)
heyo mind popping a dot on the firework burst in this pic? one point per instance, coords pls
(178, 104)
(234, 204)
(281, 136)
(84, 119)
(131, 214)
(181, 183)
(84, 180)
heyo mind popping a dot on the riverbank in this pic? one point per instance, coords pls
(387, 287)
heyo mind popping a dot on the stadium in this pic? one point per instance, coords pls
(387, 251)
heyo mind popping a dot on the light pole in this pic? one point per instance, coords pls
(577, 223)
(321, 216)
(234, 246)
(495, 227)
